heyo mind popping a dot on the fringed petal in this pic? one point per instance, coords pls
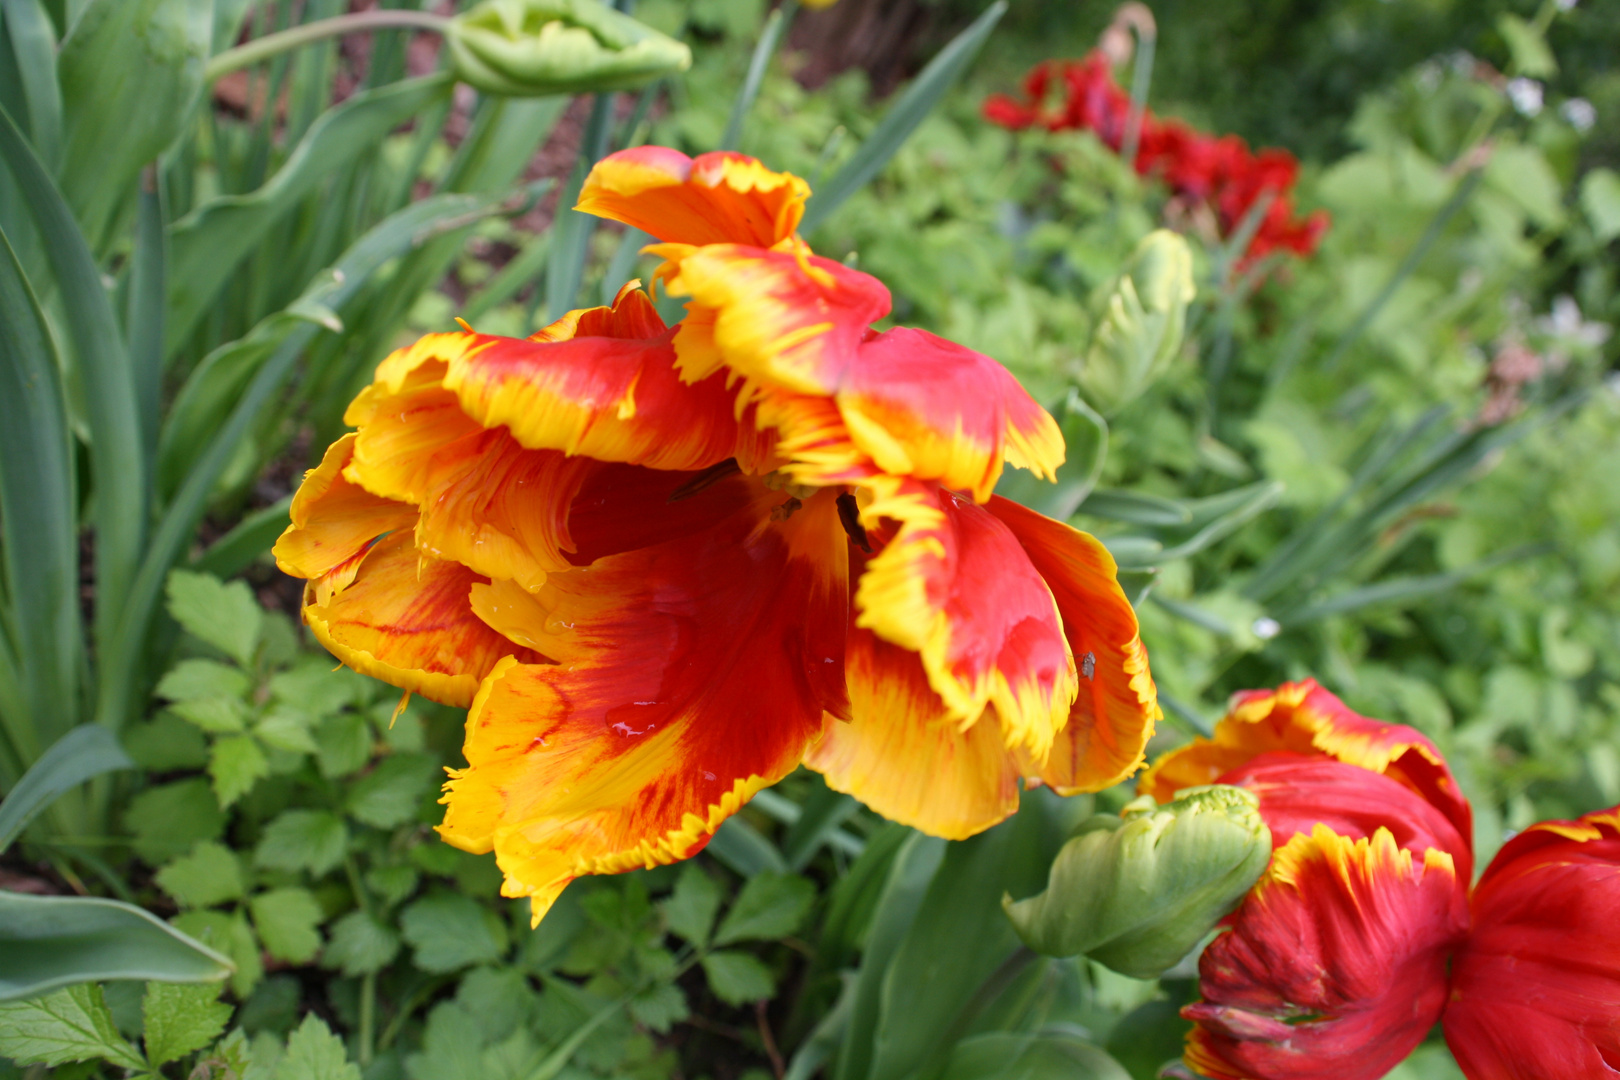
(714, 198)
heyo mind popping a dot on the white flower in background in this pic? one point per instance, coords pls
(1579, 113)
(1567, 5)
(1265, 628)
(1526, 95)
(1570, 331)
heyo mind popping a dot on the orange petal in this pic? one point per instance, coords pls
(602, 393)
(715, 198)
(926, 407)
(1305, 718)
(785, 317)
(1535, 991)
(407, 620)
(1334, 967)
(697, 673)
(953, 584)
(334, 524)
(1117, 705)
(902, 754)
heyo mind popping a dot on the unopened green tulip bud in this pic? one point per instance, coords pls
(1142, 324)
(530, 48)
(1137, 892)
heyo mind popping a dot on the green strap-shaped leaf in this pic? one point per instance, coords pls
(769, 38)
(745, 849)
(1042, 1055)
(51, 941)
(148, 297)
(117, 467)
(207, 244)
(38, 541)
(252, 537)
(571, 231)
(902, 119)
(33, 44)
(82, 753)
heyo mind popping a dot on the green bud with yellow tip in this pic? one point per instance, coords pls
(1136, 892)
(531, 48)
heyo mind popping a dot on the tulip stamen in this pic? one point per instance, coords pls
(705, 479)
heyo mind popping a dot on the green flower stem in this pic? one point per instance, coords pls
(368, 1017)
(275, 44)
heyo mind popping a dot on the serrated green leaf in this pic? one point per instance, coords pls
(287, 921)
(313, 840)
(692, 906)
(449, 931)
(179, 1018)
(771, 905)
(359, 945)
(1600, 198)
(166, 821)
(286, 728)
(70, 1025)
(236, 763)
(229, 934)
(166, 743)
(225, 616)
(391, 793)
(209, 875)
(738, 977)
(343, 744)
(52, 941)
(392, 883)
(194, 680)
(660, 1006)
(1527, 46)
(219, 716)
(314, 1053)
(314, 685)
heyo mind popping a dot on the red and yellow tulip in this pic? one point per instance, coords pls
(1363, 932)
(663, 566)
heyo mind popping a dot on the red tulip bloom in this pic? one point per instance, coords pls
(1359, 937)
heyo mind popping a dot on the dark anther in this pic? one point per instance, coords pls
(785, 511)
(705, 479)
(850, 515)
(1088, 665)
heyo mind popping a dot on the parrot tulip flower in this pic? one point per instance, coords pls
(664, 566)
(1362, 933)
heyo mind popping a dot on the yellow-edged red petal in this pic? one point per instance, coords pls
(695, 673)
(902, 754)
(1305, 718)
(952, 583)
(334, 524)
(715, 198)
(408, 621)
(1334, 966)
(1535, 991)
(1117, 705)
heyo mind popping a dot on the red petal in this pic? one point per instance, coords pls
(1536, 990)
(1335, 964)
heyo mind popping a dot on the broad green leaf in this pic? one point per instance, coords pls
(107, 391)
(287, 921)
(771, 905)
(166, 743)
(358, 945)
(168, 820)
(314, 1053)
(909, 109)
(1056, 1054)
(209, 875)
(1137, 892)
(225, 616)
(1149, 1037)
(191, 680)
(236, 763)
(392, 793)
(313, 840)
(449, 931)
(218, 716)
(130, 71)
(38, 549)
(207, 243)
(231, 935)
(179, 1019)
(692, 906)
(1527, 46)
(33, 43)
(81, 754)
(69, 1025)
(51, 941)
(745, 849)
(1600, 198)
(737, 978)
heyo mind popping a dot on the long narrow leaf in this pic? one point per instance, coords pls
(769, 38)
(209, 242)
(38, 542)
(85, 752)
(147, 297)
(252, 537)
(33, 43)
(1404, 590)
(571, 230)
(902, 119)
(117, 467)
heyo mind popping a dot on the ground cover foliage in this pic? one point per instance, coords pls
(1388, 465)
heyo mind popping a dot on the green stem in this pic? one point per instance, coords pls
(1141, 79)
(275, 44)
(368, 1016)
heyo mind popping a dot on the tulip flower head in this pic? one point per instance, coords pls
(665, 565)
(1363, 931)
